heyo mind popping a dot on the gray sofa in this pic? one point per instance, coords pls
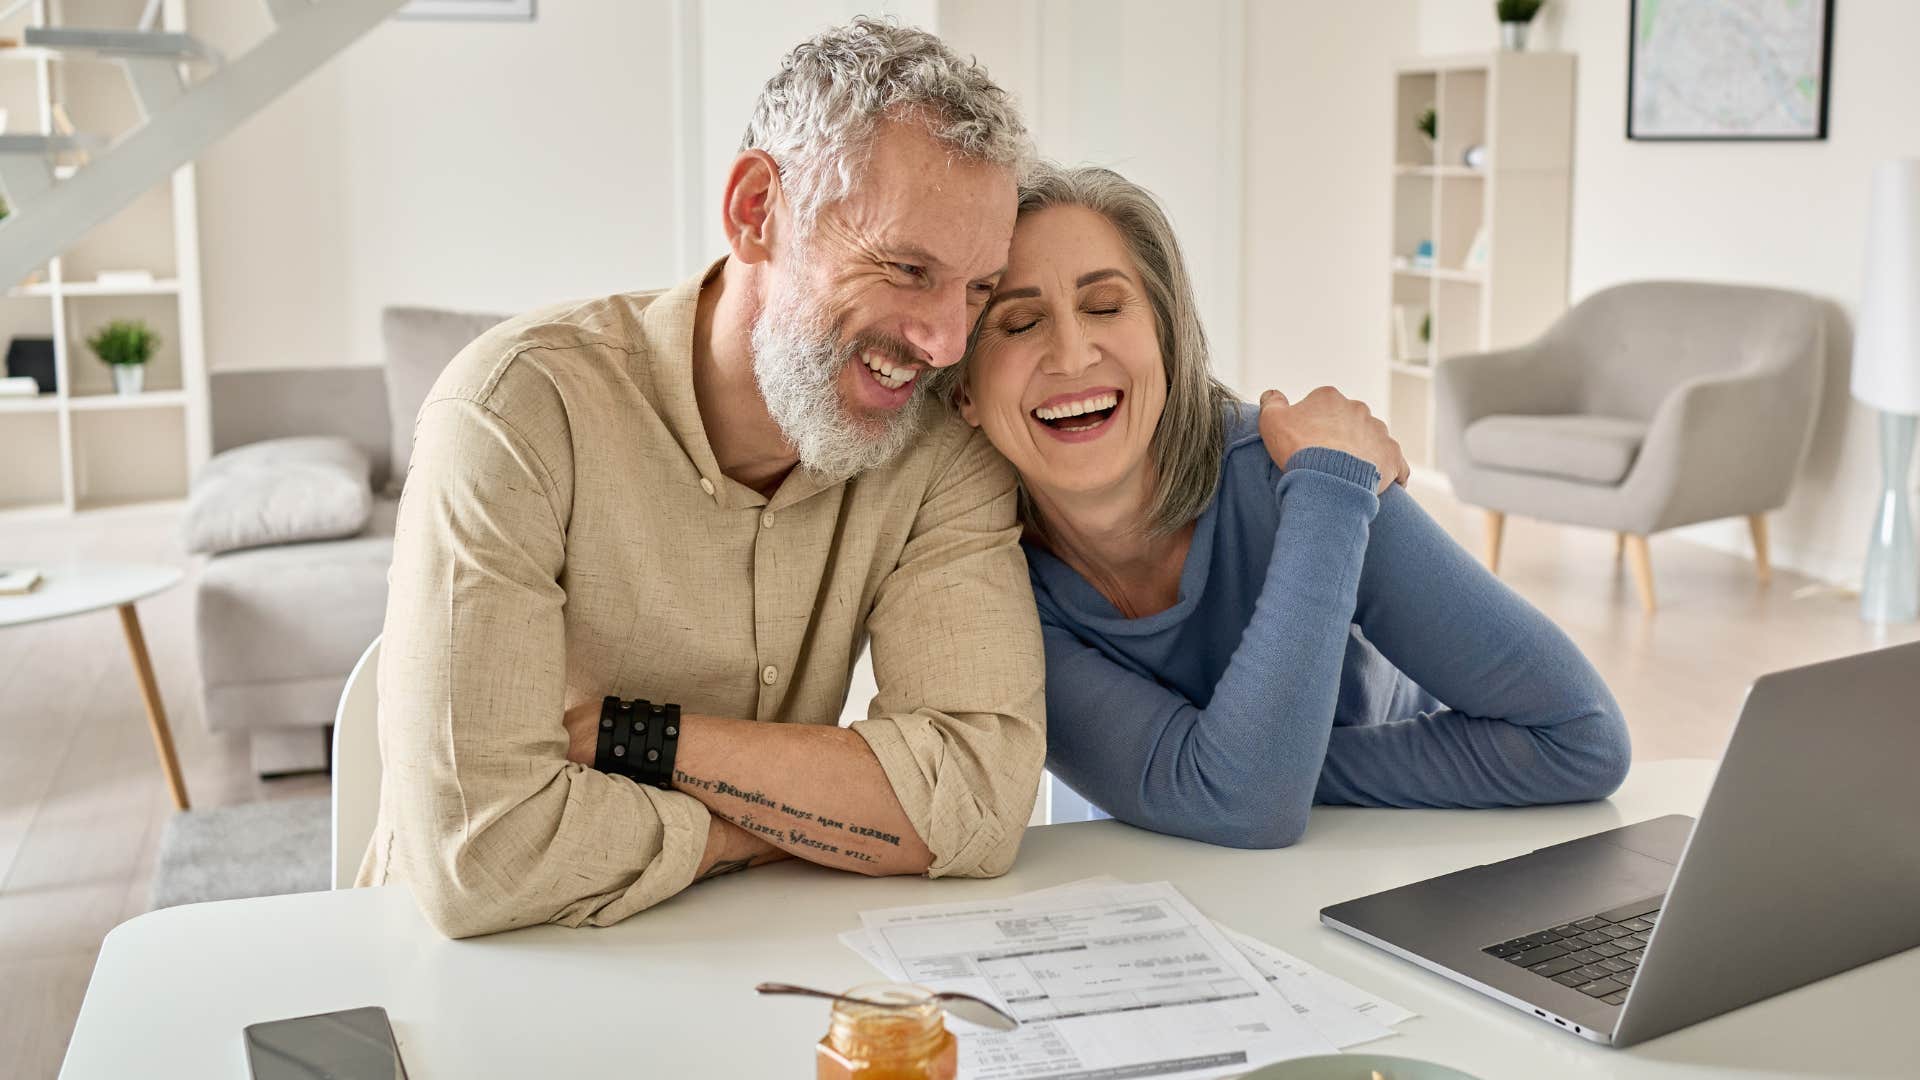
(279, 627)
(1648, 406)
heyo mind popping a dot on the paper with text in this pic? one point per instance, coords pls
(1108, 981)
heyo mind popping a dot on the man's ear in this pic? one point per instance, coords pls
(754, 204)
(964, 402)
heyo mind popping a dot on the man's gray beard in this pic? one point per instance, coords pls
(797, 366)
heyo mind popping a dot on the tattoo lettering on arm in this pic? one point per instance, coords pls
(781, 830)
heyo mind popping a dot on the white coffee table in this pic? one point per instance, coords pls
(668, 993)
(75, 588)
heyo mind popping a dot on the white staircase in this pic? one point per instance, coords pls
(50, 210)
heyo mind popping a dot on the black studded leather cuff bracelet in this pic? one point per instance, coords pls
(638, 740)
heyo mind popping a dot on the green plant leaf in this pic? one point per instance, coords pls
(124, 341)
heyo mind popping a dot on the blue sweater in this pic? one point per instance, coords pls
(1327, 646)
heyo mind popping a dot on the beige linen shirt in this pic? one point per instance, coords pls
(566, 534)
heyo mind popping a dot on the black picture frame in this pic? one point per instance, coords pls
(1819, 134)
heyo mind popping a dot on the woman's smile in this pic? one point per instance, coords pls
(1080, 415)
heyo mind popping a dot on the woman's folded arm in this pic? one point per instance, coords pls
(1526, 719)
(1243, 770)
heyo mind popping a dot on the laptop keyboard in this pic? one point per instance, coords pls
(1598, 956)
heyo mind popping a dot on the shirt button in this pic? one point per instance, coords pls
(706, 485)
(769, 674)
(766, 521)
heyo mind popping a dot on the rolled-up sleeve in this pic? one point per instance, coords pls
(492, 827)
(959, 723)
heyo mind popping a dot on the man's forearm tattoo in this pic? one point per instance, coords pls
(785, 836)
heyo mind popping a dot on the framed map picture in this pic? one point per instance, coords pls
(1728, 69)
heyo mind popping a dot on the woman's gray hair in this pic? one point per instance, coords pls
(816, 116)
(1191, 436)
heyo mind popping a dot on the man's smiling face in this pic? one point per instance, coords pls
(885, 286)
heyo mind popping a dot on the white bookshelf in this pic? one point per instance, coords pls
(1519, 108)
(85, 447)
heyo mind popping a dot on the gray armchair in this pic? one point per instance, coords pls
(1646, 407)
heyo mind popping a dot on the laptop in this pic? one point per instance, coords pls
(1804, 863)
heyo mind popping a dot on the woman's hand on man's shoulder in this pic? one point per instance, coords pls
(1330, 419)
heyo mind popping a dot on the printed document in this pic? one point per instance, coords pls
(1108, 981)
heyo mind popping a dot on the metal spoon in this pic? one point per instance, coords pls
(965, 1006)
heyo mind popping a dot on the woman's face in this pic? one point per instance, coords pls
(1066, 378)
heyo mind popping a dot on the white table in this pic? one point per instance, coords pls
(668, 993)
(75, 588)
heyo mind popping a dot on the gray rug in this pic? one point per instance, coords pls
(254, 849)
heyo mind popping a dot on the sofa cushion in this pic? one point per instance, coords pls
(279, 491)
(1590, 449)
(419, 342)
(295, 611)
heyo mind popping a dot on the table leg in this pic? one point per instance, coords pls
(156, 713)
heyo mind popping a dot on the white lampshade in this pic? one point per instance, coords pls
(1886, 342)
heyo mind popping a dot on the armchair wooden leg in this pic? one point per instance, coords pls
(1642, 561)
(1496, 526)
(1757, 524)
(1619, 545)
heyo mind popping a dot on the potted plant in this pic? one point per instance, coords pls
(125, 345)
(1515, 17)
(1428, 123)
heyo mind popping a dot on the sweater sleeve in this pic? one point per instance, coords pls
(1241, 771)
(1526, 720)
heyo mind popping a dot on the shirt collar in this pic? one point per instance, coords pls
(667, 324)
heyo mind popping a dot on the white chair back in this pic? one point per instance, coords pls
(356, 767)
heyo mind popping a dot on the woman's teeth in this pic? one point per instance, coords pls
(1096, 403)
(887, 375)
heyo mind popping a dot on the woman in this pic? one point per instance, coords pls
(1243, 613)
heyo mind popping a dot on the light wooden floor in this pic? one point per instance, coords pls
(82, 803)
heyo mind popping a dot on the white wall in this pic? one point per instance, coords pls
(1319, 102)
(497, 166)
(1783, 214)
(478, 165)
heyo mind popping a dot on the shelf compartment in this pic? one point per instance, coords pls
(1415, 92)
(128, 455)
(30, 460)
(86, 375)
(1461, 216)
(1407, 413)
(1463, 115)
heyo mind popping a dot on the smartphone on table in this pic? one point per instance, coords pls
(353, 1044)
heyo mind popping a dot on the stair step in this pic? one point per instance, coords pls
(49, 144)
(121, 43)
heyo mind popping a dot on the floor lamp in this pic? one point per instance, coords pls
(1886, 376)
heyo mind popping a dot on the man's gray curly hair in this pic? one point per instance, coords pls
(816, 116)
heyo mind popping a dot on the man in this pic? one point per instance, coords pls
(709, 497)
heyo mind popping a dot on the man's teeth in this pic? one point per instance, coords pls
(1075, 408)
(887, 375)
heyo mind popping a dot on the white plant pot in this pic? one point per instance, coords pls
(129, 378)
(1513, 36)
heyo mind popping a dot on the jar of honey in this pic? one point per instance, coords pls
(908, 1041)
